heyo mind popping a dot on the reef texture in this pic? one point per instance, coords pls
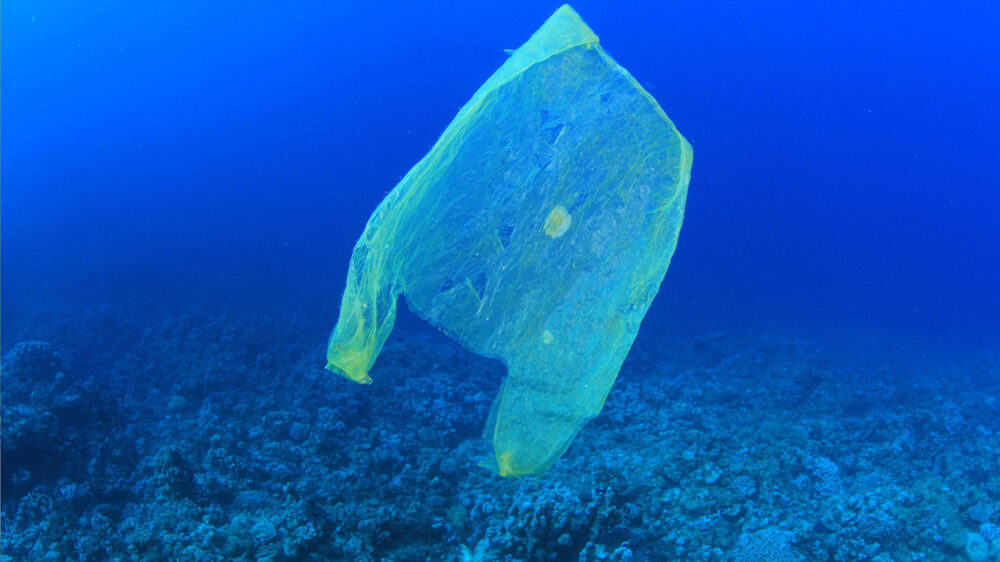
(205, 437)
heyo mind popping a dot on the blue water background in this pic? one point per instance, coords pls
(182, 185)
(846, 181)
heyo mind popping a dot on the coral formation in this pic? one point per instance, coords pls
(717, 447)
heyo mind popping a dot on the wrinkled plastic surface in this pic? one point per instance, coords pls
(537, 231)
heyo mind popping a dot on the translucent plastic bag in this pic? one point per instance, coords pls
(536, 231)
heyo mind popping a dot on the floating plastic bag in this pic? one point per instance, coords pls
(536, 231)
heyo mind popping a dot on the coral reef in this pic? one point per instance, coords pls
(208, 438)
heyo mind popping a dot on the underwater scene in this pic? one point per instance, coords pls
(500, 281)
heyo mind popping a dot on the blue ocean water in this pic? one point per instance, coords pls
(182, 185)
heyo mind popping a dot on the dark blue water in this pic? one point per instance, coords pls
(845, 171)
(164, 157)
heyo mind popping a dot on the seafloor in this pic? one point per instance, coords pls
(204, 436)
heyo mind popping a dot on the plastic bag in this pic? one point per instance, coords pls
(537, 231)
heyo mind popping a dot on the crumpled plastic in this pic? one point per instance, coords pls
(536, 231)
